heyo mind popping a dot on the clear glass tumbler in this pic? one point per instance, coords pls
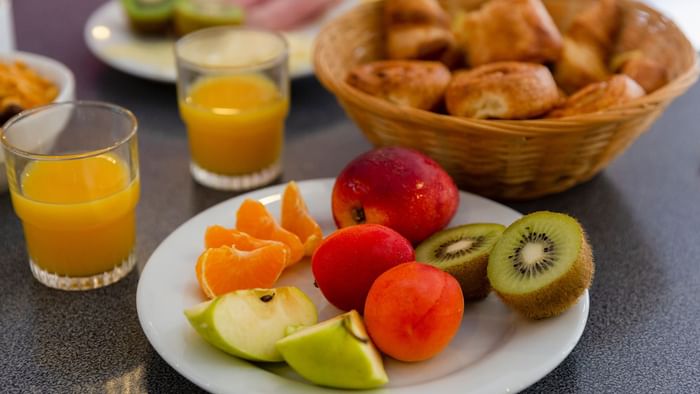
(73, 176)
(233, 94)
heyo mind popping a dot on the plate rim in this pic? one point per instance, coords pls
(535, 374)
(127, 68)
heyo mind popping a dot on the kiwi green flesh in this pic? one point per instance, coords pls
(459, 245)
(534, 252)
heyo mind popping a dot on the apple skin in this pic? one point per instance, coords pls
(335, 353)
(248, 323)
(396, 187)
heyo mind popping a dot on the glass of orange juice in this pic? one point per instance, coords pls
(73, 176)
(233, 94)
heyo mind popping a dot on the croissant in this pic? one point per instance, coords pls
(587, 44)
(598, 96)
(505, 90)
(419, 29)
(508, 30)
(411, 83)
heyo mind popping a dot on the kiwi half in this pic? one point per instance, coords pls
(541, 264)
(149, 16)
(463, 252)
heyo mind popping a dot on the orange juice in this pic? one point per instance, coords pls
(78, 215)
(235, 123)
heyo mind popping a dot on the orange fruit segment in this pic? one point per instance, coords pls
(225, 269)
(253, 218)
(296, 219)
(217, 236)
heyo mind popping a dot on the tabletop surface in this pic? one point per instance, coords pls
(642, 215)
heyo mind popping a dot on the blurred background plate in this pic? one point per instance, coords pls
(48, 68)
(109, 38)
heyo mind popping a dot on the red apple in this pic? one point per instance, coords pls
(396, 187)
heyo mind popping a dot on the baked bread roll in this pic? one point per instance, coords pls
(410, 83)
(508, 30)
(649, 73)
(505, 90)
(598, 96)
(587, 45)
(581, 64)
(419, 29)
(597, 24)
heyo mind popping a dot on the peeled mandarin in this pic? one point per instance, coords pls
(217, 236)
(253, 218)
(296, 219)
(225, 269)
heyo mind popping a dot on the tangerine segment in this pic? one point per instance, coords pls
(225, 269)
(296, 219)
(217, 236)
(254, 219)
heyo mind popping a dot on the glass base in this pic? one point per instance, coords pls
(235, 182)
(84, 282)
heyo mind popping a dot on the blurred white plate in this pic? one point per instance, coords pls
(495, 351)
(48, 68)
(108, 36)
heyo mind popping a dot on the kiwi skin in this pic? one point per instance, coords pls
(472, 278)
(558, 296)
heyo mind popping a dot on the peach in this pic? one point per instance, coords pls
(347, 262)
(396, 187)
(413, 311)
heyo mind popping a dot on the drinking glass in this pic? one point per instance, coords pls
(73, 176)
(233, 94)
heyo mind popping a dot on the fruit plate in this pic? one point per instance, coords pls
(109, 38)
(495, 350)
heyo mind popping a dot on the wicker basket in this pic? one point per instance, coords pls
(504, 159)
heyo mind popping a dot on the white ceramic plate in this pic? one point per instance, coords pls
(495, 350)
(108, 37)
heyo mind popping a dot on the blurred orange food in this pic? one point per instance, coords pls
(22, 88)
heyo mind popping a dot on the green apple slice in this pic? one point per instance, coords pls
(335, 353)
(247, 323)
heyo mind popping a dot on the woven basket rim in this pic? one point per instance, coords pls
(674, 88)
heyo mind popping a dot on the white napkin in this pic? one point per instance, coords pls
(7, 31)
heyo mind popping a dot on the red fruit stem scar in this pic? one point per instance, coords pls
(358, 215)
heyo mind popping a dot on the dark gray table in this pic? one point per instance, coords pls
(642, 215)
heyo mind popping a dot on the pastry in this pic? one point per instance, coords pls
(649, 73)
(419, 29)
(597, 24)
(598, 96)
(410, 83)
(581, 63)
(587, 45)
(505, 90)
(508, 30)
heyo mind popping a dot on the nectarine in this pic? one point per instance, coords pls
(349, 260)
(396, 187)
(413, 311)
